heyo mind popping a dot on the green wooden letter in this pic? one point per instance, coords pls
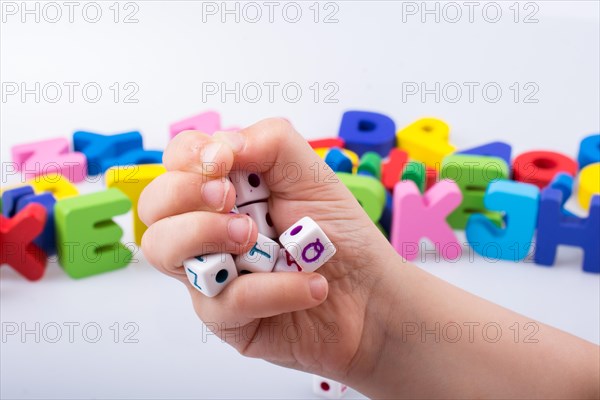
(415, 171)
(369, 192)
(87, 238)
(473, 174)
(370, 163)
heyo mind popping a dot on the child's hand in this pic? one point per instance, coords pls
(352, 325)
(261, 314)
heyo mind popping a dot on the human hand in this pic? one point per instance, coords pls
(186, 210)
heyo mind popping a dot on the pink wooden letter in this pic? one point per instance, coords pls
(48, 157)
(208, 122)
(415, 217)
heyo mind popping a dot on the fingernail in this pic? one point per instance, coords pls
(234, 139)
(215, 192)
(318, 287)
(210, 151)
(239, 229)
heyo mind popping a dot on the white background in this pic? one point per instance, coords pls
(367, 54)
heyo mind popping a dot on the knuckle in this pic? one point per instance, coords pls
(281, 126)
(239, 296)
(146, 203)
(147, 247)
(153, 247)
(169, 187)
(142, 208)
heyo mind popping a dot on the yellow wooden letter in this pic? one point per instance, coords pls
(131, 180)
(58, 185)
(589, 184)
(426, 140)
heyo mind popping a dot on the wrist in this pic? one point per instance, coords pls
(380, 358)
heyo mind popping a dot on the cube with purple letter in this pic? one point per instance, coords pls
(307, 244)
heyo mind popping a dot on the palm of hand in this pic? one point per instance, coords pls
(327, 337)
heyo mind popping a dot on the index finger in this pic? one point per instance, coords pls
(194, 151)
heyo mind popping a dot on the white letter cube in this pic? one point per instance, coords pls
(261, 257)
(259, 212)
(286, 263)
(210, 273)
(328, 388)
(308, 244)
(249, 187)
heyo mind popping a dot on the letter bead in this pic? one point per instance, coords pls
(328, 388)
(260, 258)
(249, 187)
(307, 244)
(286, 263)
(210, 273)
(259, 212)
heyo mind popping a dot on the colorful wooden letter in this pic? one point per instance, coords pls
(103, 151)
(494, 149)
(431, 177)
(338, 161)
(47, 238)
(132, 180)
(370, 164)
(134, 157)
(10, 198)
(88, 240)
(207, 122)
(385, 221)
(327, 143)
(416, 217)
(589, 184)
(16, 235)
(426, 140)
(58, 185)
(368, 131)
(564, 183)
(540, 167)
(520, 203)
(473, 174)
(589, 150)
(369, 193)
(50, 156)
(415, 171)
(392, 168)
(555, 229)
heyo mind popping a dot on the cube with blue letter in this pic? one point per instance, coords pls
(260, 258)
(210, 273)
